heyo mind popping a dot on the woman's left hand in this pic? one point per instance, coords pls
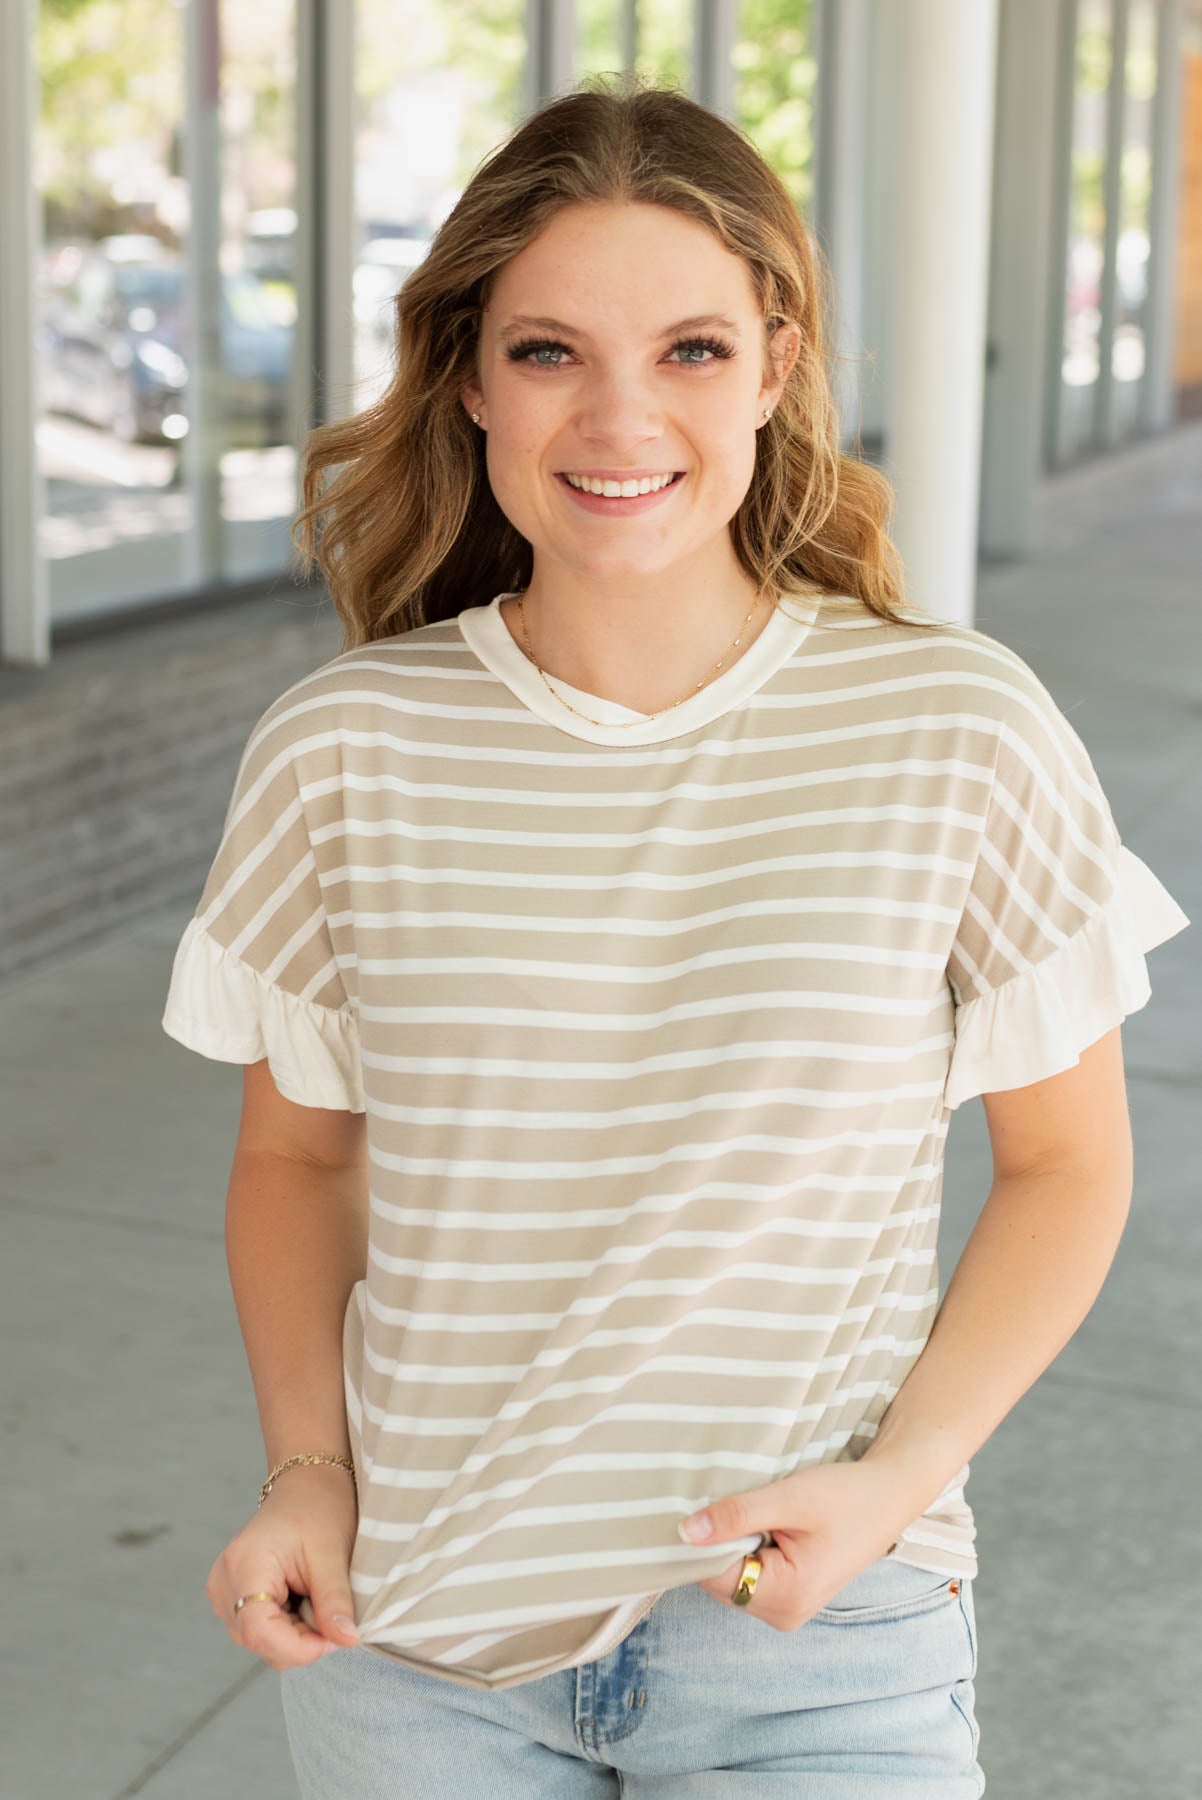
(829, 1523)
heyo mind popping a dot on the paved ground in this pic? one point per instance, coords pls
(133, 1450)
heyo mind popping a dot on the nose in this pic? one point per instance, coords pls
(621, 411)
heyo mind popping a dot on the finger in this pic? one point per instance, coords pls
(768, 1584)
(330, 1597)
(270, 1629)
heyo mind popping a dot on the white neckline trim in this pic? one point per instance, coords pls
(487, 635)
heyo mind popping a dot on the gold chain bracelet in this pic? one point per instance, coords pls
(344, 1462)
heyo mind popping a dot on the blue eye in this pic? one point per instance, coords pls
(718, 351)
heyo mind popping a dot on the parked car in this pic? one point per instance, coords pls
(112, 348)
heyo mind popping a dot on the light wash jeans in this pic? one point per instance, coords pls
(870, 1699)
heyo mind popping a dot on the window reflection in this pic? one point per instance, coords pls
(117, 391)
(107, 345)
(775, 85)
(652, 37)
(437, 86)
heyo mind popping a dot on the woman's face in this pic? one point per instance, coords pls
(587, 367)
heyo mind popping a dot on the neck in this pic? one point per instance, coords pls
(641, 654)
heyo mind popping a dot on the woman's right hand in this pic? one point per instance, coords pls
(300, 1539)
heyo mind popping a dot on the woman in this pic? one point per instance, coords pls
(609, 933)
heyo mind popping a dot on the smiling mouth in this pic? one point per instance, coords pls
(615, 481)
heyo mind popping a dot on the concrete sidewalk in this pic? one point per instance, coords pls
(132, 1441)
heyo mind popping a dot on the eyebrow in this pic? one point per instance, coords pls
(526, 321)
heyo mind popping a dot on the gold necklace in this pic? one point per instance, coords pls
(627, 724)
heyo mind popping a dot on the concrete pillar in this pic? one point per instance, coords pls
(945, 79)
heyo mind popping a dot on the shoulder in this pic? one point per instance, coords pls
(955, 668)
(353, 689)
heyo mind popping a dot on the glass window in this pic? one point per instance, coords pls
(775, 81)
(109, 284)
(653, 37)
(132, 511)
(437, 86)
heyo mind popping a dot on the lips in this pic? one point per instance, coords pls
(617, 507)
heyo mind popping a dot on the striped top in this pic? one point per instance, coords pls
(658, 1024)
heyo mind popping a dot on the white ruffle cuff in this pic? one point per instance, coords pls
(1038, 1023)
(220, 1007)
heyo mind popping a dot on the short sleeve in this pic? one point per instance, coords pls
(255, 973)
(1049, 952)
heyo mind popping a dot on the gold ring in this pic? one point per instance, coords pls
(749, 1574)
(239, 1604)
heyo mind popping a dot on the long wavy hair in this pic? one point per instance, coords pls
(397, 511)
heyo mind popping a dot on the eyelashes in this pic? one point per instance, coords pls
(718, 349)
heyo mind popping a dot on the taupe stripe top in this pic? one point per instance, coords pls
(658, 1024)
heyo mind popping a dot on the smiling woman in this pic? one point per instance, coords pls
(656, 883)
(547, 293)
(636, 608)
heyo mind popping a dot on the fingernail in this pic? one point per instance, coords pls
(693, 1530)
(341, 1622)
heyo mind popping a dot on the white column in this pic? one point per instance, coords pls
(941, 250)
(24, 594)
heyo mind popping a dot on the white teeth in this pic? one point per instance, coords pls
(592, 484)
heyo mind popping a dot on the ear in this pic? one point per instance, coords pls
(784, 347)
(472, 398)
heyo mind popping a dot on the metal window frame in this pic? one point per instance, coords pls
(24, 587)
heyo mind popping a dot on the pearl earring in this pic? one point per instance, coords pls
(767, 412)
(476, 418)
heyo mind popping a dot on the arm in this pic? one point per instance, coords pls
(296, 1239)
(296, 1242)
(1030, 1272)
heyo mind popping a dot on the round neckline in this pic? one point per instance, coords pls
(486, 634)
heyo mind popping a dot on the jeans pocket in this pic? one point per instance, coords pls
(890, 1589)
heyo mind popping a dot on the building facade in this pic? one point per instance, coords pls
(207, 210)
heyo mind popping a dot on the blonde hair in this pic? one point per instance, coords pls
(410, 531)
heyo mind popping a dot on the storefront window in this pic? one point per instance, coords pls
(133, 511)
(437, 86)
(775, 83)
(652, 37)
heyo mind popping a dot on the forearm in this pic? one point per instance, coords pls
(1029, 1274)
(296, 1243)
